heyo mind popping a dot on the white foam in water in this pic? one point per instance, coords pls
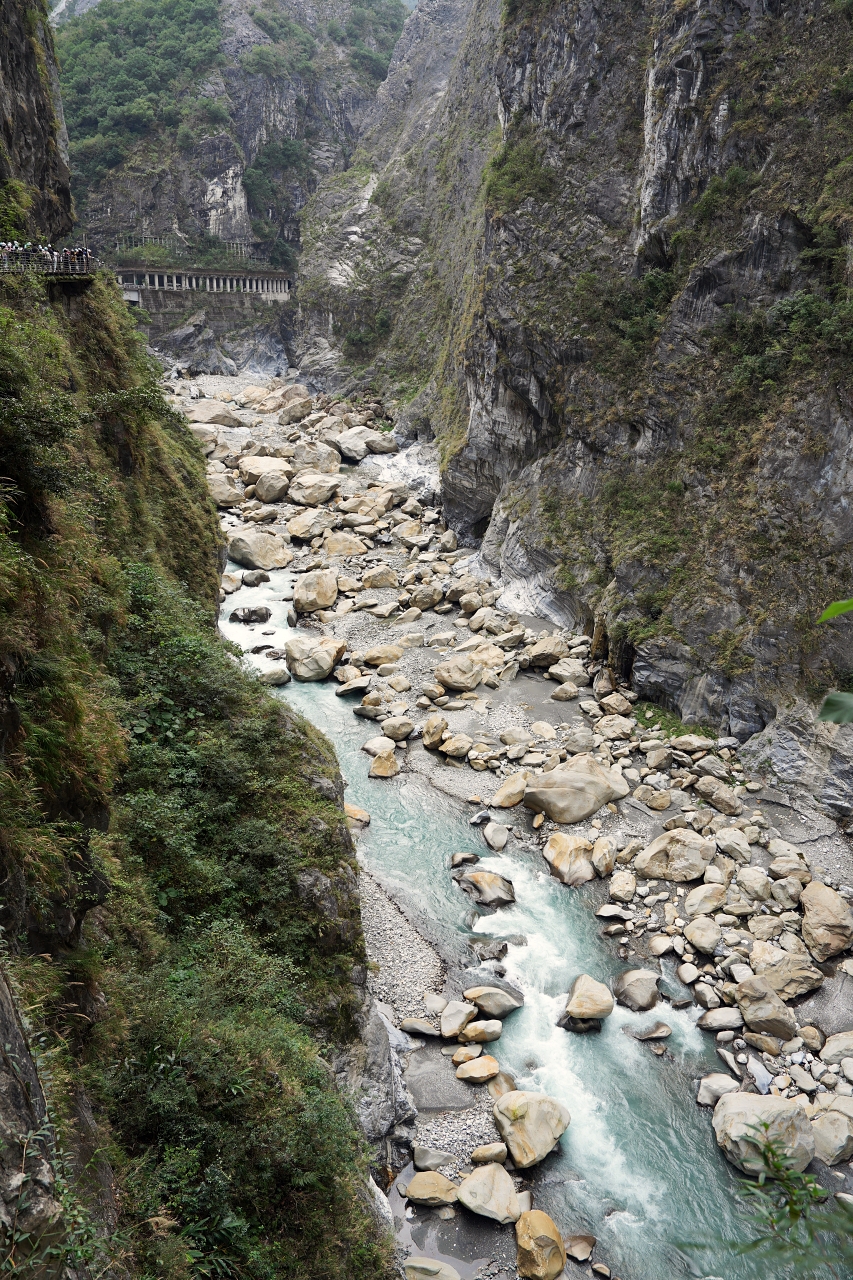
(639, 1166)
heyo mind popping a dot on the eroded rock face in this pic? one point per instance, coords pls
(735, 1115)
(530, 1124)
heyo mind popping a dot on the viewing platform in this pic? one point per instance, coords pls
(268, 286)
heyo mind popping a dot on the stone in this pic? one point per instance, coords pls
(294, 411)
(510, 792)
(428, 1269)
(310, 524)
(384, 766)
(310, 489)
(579, 1248)
(789, 974)
(316, 458)
(754, 882)
(589, 998)
(278, 676)
(832, 1130)
(574, 791)
(660, 945)
(548, 651)
(351, 445)
(459, 673)
(344, 544)
(531, 1125)
(704, 899)
(614, 727)
(687, 973)
(380, 746)
(567, 859)
(273, 486)
(491, 1153)
(419, 1027)
(637, 989)
(704, 933)
(736, 1116)
(455, 1017)
(317, 589)
(481, 1032)
(623, 886)
(837, 1048)
(251, 469)
(259, 549)
(762, 1009)
(434, 727)
(466, 1053)
(719, 796)
(657, 1031)
(490, 1192)
(213, 413)
(721, 1020)
(603, 856)
(493, 1001)
(378, 576)
(565, 692)
(398, 728)
(310, 657)
(489, 889)
(541, 1254)
(382, 653)
(426, 596)
(615, 704)
(457, 746)
(224, 491)
(713, 1087)
(501, 1084)
(680, 855)
(782, 867)
(734, 843)
(495, 835)
(570, 670)
(479, 1070)
(827, 921)
(431, 1189)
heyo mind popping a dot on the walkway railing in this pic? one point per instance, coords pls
(34, 263)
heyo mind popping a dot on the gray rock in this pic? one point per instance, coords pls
(430, 1158)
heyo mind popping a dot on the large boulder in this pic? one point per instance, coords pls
(309, 658)
(827, 921)
(511, 791)
(351, 444)
(259, 549)
(379, 575)
(310, 523)
(541, 1254)
(832, 1128)
(704, 933)
(311, 455)
(490, 1192)
(574, 791)
(434, 727)
(295, 411)
(315, 590)
(343, 543)
(548, 651)
(570, 671)
(704, 899)
(488, 888)
(637, 989)
(431, 1189)
(428, 1269)
(272, 486)
(213, 413)
(224, 491)
(493, 1001)
(251, 468)
(763, 1011)
(719, 795)
(788, 973)
(530, 1124)
(589, 999)
(460, 673)
(379, 654)
(738, 1115)
(679, 855)
(455, 1016)
(568, 858)
(837, 1048)
(310, 489)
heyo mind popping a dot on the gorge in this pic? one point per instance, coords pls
(541, 465)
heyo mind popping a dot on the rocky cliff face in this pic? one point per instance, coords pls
(245, 137)
(620, 249)
(34, 193)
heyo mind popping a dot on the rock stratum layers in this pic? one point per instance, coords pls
(600, 251)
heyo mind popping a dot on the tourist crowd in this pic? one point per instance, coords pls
(15, 256)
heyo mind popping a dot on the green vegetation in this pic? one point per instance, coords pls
(623, 315)
(196, 999)
(128, 70)
(372, 30)
(518, 172)
(16, 201)
(276, 167)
